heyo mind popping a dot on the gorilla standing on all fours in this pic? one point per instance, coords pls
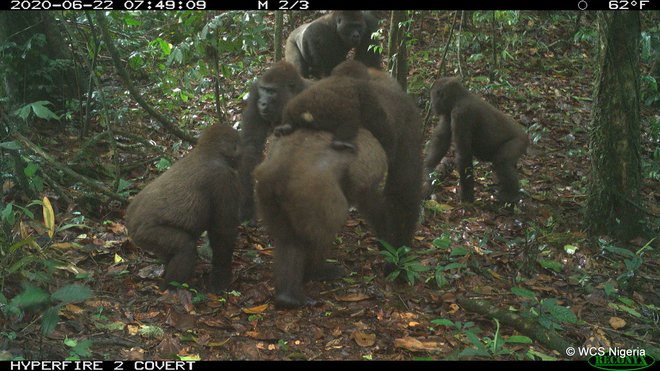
(315, 48)
(477, 129)
(268, 96)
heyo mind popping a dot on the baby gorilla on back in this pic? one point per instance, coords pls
(198, 193)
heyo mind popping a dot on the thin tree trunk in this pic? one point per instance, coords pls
(279, 24)
(614, 190)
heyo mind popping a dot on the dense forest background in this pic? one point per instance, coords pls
(95, 105)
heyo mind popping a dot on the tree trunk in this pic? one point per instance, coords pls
(613, 205)
(279, 23)
(397, 49)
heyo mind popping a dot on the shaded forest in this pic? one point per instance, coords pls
(95, 106)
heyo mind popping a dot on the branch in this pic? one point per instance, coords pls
(96, 185)
(123, 74)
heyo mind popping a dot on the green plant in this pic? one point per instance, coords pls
(37, 300)
(547, 312)
(78, 349)
(404, 261)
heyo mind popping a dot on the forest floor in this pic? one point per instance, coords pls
(535, 261)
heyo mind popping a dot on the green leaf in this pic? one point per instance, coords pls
(550, 264)
(519, 339)
(7, 214)
(12, 146)
(443, 322)
(542, 356)
(617, 250)
(570, 249)
(440, 278)
(30, 169)
(442, 242)
(562, 314)
(123, 184)
(70, 342)
(625, 308)
(74, 293)
(523, 292)
(458, 251)
(626, 301)
(451, 266)
(82, 348)
(30, 297)
(41, 111)
(474, 339)
(49, 320)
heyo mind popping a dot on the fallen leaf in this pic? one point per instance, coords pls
(364, 339)
(63, 245)
(453, 308)
(255, 310)
(617, 322)
(133, 354)
(352, 223)
(117, 228)
(73, 309)
(353, 297)
(132, 329)
(415, 345)
(118, 259)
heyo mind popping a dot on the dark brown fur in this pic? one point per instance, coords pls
(304, 189)
(268, 96)
(341, 105)
(315, 48)
(198, 193)
(477, 129)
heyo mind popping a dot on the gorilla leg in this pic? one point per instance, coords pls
(504, 165)
(222, 241)
(438, 146)
(289, 271)
(176, 247)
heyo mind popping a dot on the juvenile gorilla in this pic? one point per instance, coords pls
(476, 128)
(342, 104)
(198, 193)
(316, 47)
(303, 190)
(268, 96)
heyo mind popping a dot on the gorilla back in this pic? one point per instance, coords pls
(304, 189)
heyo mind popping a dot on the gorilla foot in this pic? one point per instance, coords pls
(288, 301)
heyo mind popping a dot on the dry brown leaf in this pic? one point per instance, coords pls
(453, 308)
(132, 329)
(617, 322)
(415, 345)
(353, 297)
(364, 339)
(63, 245)
(169, 346)
(116, 228)
(73, 309)
(255, 310)
(141, 316)
(133, 354)
(352, 223)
